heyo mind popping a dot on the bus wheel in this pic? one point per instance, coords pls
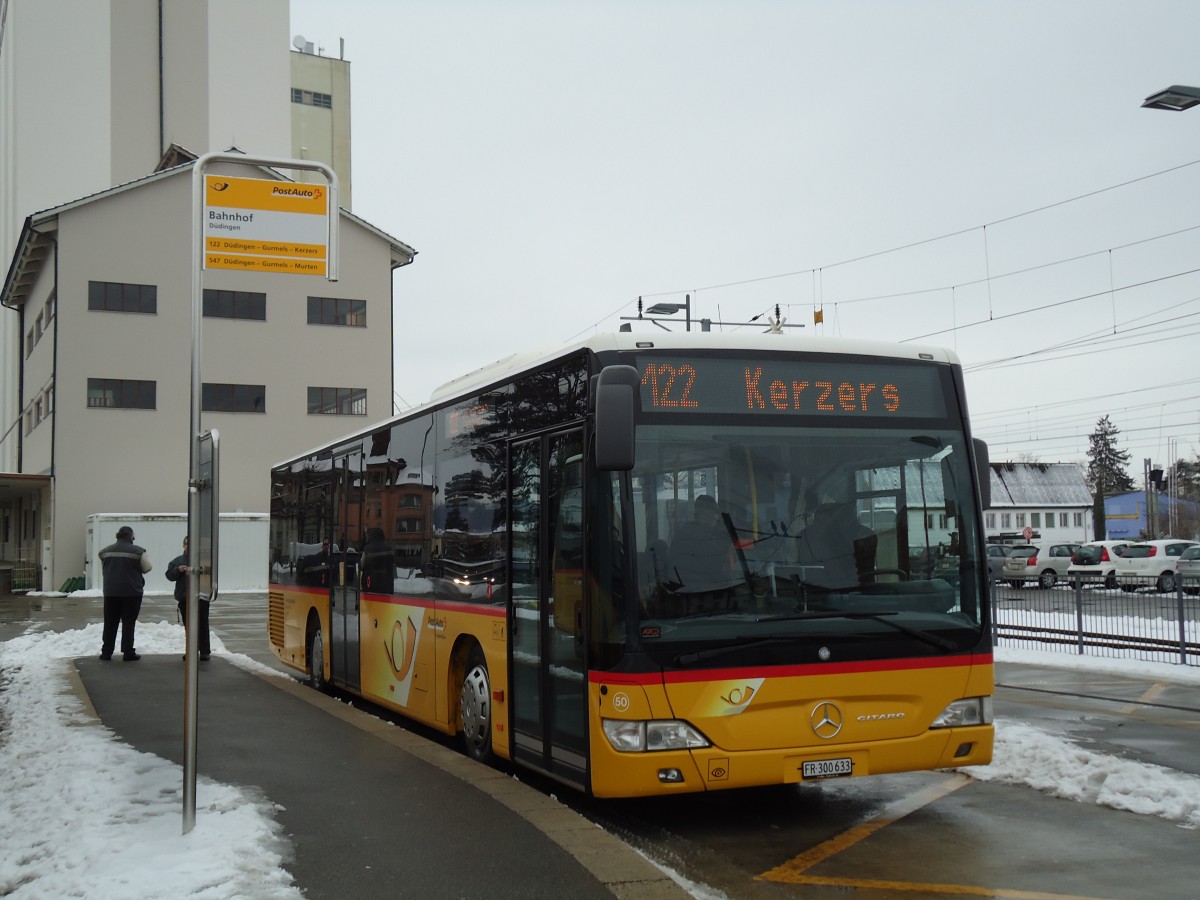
(476, 708)
(316, 657)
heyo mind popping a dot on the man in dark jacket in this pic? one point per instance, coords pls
(177, 570)
(125, 565)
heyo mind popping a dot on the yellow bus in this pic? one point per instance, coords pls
(650, 564)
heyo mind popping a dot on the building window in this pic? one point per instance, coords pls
(337, 401)
(990, 520)
(250, 398)
(1035, 520)
(410, 501)
(1078, 520)
(312, 98)
(235, 304)
(118, 393)
(410, 526)
(337, 311)
(112, 296)
(1006, 520)
(1062, 520)
(1050, 519)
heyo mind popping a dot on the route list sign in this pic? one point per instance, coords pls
(257, 225)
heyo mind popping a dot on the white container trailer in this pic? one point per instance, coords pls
(241, 559)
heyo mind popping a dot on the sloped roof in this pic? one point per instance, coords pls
(1039, 484)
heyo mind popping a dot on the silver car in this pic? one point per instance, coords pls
(1188, 570)
(1043, 563)
(996, 555)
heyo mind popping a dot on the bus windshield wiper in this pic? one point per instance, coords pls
(743, 643)
(932, 640)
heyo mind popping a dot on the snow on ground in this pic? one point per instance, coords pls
(82, 815)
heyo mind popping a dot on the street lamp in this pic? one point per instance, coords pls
(1176, 98)
(669, 309)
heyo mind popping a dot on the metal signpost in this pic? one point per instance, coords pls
(252, 225)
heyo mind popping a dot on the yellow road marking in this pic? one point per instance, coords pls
(794, 870)
(1150, 695)
(890, 813)
(964, 890)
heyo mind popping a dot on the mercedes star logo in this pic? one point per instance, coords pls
(826, 720)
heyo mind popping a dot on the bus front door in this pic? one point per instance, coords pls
(547, 681)
(344, 599)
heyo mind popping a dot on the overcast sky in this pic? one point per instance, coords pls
(552, 161)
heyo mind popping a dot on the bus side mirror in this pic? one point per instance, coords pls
(983, 471)
(615, 398)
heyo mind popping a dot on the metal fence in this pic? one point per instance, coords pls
(1134, 621)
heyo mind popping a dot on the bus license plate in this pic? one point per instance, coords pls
(827, 768)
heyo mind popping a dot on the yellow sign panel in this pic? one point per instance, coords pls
(257, 225)
(258, 193)
(277, 264)
(266, 248)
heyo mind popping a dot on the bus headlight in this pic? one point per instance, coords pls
(656, 734)
(969, 711)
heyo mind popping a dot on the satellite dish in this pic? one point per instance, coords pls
(299, 42)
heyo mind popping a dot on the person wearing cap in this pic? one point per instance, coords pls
(177, 570)
(125, 565)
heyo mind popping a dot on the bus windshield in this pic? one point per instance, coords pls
(761, 530)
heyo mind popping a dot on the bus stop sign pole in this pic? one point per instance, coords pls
(203, 506)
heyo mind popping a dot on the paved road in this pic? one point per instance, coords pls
(370, 810)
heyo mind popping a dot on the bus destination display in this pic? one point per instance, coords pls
(809, 386)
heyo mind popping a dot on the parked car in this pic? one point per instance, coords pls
(1151, 560)
(1043, 563)
(1188, 570)
(996, 555)
(1096, 561)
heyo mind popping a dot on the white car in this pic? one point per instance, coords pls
(1096, 562)
(1151, 561)
(1188, 570)
(1043, 563)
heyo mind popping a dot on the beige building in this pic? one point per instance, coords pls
(320, 95)
(101, 287)
(93, 94)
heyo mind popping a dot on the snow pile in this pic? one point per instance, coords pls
(1025, 755)
(82, 815)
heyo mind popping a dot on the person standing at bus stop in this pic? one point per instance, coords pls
(125, 565)
(177, 570)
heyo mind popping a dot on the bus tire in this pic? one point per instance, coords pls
(475, 708)
(314, 653)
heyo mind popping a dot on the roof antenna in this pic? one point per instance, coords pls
(777, 323)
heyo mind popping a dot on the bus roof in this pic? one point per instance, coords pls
(706, 340)
(507, 367)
